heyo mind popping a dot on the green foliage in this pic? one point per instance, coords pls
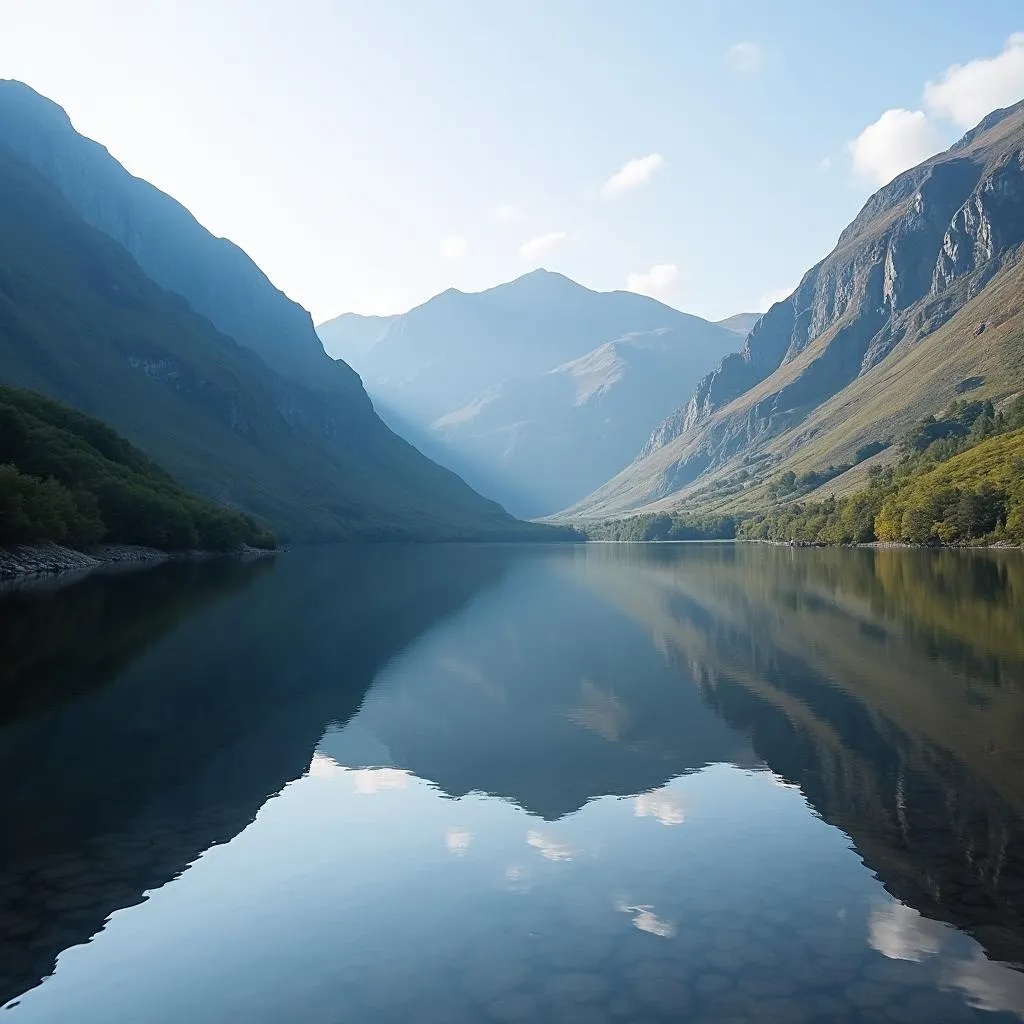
(961, 481)
(661, 528)
(68, 478)
(788, 485)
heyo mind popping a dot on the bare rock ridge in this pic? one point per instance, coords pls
(922, 248)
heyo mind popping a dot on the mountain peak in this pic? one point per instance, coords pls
(19, 96)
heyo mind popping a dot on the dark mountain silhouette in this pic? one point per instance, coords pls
(115, 300)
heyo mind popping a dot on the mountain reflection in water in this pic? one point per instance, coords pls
(668, 782)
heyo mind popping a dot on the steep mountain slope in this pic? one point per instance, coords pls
(540, 384)
(81, 322)
(216, 278)
(740, 323)
(920, 301)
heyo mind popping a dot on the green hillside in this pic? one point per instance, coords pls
(956, 484)
(80, 322)
(68, 478)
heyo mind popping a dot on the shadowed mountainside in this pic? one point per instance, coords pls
(115, 300)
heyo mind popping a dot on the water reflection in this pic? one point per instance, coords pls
(573, 783)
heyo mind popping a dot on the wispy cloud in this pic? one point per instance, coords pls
(632, 174)
(825, 164)
(549, 849)
(898, 140)
(538, 247)
(454, 247)
(745, 58)
(967, 92)
(662, 281)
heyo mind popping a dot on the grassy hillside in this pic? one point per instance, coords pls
(80, 322)
(69, 478)
(955, 485)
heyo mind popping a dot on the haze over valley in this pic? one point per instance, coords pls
(511, 512)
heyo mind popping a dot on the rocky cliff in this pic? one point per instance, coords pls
(920, 252)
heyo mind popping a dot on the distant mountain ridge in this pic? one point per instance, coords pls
(740, 323)
(199, 361)
(920, 299)
(534, 390)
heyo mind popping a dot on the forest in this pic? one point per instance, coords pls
(69, 478)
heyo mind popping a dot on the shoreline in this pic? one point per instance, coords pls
(27, 562)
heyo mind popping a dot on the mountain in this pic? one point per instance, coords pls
(352, 334)
(740, 323)
(536, 390)
(115, 300)
(920, 301)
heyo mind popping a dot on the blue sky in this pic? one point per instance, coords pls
(370, 154)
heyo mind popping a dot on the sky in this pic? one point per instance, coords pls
(369, 154)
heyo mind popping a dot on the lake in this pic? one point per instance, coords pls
(720, 783)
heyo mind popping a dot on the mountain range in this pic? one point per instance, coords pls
(114, 299)
(536, 391)
(921, 301)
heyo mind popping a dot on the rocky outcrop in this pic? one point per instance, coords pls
(921, 248)
(42, 559)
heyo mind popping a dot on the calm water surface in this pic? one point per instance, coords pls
(605, 783)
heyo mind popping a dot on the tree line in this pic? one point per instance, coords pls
(960, 480)
(69, 478)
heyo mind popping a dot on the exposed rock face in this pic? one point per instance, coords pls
(921, 248)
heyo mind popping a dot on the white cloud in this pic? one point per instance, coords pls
(454, 247)
(540, 246)
(901, 933)
(376, 780)
(548, 848)
(632, 174)
(967, 92)
(659, 805)
(508, 213)
(899, 139)
(660, 282)
(745, 58)
(990, 986)
(324, 767)
(457, 840)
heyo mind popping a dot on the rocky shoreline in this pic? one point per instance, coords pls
(28, 561)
